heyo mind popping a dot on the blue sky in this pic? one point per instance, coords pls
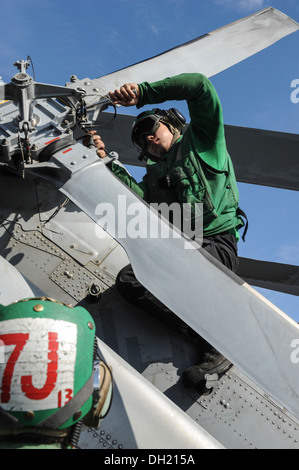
(96, 37)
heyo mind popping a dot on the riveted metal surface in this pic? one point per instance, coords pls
(75, 279)
(243, 416)
(34, 257)
(39, 259)
(99, 439)
(36, 240)
(100, 274)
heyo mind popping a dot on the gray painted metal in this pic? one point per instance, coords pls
(236, 412)
(54, 246)
(65, 242)
(242, 416)
(211, 53)
(141, 417)
(254, 319)
(13, 284)
(22, 89)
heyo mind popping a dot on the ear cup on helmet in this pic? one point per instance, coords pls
(176, 118)
(102, 395)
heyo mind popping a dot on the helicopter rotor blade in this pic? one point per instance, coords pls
(260, 161)
(269, 275)
(218, 305)
(210, 53)
(267, 158)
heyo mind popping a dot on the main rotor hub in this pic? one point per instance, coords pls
(22, 79)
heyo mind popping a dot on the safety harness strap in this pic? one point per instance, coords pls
(68, 410)
(242, 214)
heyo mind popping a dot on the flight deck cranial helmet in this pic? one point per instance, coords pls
(148, 122)
(50, 377)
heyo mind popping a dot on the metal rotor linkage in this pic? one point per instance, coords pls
(27, 127)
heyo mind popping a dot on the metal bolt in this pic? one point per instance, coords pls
(38, 308)
(29, 415)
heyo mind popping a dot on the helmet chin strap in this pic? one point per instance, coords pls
(175, 132)
(175, 137)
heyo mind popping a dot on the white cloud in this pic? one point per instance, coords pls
(154, 29)
(289, 253)
(242, 5)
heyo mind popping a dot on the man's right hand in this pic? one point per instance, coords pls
(127, 95)
(99, 144)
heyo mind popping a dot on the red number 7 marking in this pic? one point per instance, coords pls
(30, 391)
(19, 339)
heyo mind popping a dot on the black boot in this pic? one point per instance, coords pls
(212, 363)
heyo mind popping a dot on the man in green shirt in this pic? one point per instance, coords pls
(192, 168)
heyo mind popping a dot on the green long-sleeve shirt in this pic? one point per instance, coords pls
(205, 173)
(204, 108)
